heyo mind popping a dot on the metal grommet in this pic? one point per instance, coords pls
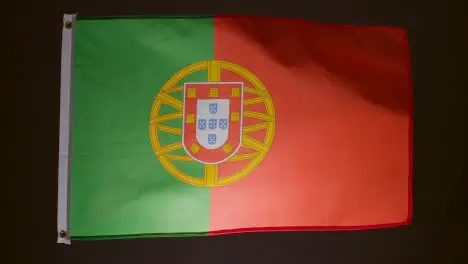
(62, 234)
(68, 24)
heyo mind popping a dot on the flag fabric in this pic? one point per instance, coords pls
(214, 125)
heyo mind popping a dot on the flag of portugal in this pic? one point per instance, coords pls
(214, 125)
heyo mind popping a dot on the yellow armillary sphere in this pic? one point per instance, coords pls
(212, 131)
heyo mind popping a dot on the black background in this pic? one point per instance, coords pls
(439, 66)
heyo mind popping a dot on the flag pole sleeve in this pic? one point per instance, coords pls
(63, 199)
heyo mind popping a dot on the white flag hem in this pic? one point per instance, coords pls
(63, 199)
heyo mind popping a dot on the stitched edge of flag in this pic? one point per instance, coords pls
(63, 199)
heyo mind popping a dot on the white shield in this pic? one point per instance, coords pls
(212, 122)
